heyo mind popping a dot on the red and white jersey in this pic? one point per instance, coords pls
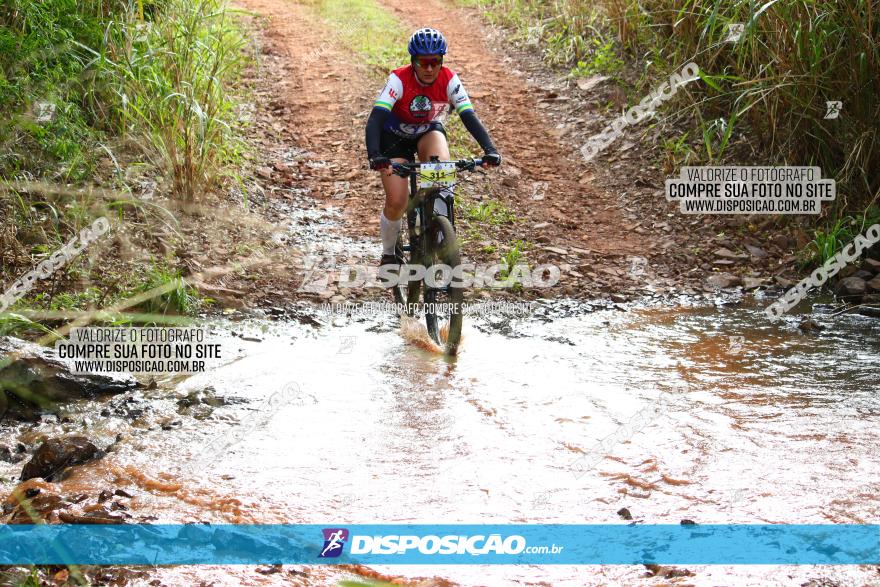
(415, 106)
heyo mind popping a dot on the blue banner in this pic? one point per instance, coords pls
(147, 544)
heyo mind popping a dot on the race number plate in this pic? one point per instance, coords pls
(436, 175)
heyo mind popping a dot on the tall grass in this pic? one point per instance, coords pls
(128, 79)
(791, 59)
(155, 71)
(770, 87)
(171, 76)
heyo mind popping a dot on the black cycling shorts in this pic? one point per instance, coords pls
(393, 146)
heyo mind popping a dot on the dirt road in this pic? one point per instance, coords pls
(326, 96)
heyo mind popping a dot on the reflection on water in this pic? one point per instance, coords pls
(711, 414)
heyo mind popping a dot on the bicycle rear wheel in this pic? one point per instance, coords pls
(443, 305)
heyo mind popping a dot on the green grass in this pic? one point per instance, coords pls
(179, 299)
(14, 324)
(31, 580)
(492, 212)
(602, 59)
(368, 29)
(829, 241)
(171, 299)
(90, 297)
(515, 254)
(41, 63)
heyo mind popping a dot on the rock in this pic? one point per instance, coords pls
(9, 455)
(31, 505)
(98, 516)
(869, 311)
(541, 225)
(169, 423)
(847, 271)
(810, 325)
(588, 83)
(270, 570)
(723, 281)
(782, 241)
(756, 252)
(850, 287)
(556, 250)
(874, 284)
(752, 282)
(687, 522)
(56, 454)
(230, 540)
(624, 513)
(872, 265)
(728, 254)
(44, 376)
(862, 274)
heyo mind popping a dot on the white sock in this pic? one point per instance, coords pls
(389, 230)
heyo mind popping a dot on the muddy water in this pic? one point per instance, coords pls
(740, 421)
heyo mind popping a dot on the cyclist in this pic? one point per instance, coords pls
(407, 118)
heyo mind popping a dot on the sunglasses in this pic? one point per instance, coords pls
(432, 62)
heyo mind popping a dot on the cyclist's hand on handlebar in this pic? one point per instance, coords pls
(492, 159)
(382, 164)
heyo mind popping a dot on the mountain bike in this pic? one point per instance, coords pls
(431, 244)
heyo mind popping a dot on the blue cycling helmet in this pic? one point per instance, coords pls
(427, 42)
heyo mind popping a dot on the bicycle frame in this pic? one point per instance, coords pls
(424, 199)
(422, 251)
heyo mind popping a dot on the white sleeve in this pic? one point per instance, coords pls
(458, 96)
(392, 91)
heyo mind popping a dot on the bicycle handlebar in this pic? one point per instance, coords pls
(405, 169)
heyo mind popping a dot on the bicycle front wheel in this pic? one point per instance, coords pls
(445, 296)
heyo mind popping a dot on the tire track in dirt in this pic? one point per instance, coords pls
(581, 215)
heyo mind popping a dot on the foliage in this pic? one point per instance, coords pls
(774, 79)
